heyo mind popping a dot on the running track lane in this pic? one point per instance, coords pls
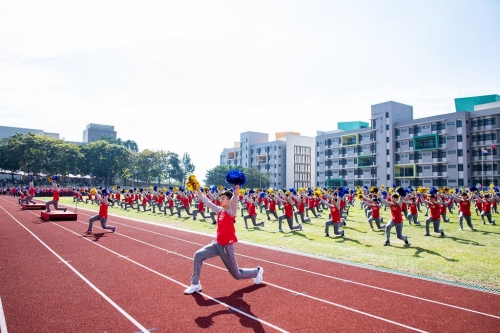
(340, 319)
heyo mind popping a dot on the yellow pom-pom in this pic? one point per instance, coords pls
(360, 196)
(92, 191)
(192, 183)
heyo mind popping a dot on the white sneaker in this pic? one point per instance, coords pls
(192, 288)
(258, 278)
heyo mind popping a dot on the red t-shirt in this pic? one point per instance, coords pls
(335, 214)
(288, 209)
(464, 207)
(396, 214)
(103, 210)
(435, 211)
(226, 234)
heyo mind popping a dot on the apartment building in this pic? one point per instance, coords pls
(454, 149)
(289, 160)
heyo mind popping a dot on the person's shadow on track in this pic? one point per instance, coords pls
(236, 301)
(95, 236)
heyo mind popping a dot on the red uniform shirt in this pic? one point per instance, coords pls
(225, 229)
(288, 209)
(464, 207)
(396, 214)
(435, 211)
(103, 210)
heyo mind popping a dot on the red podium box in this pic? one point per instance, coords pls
(58, 216)
(33, 206)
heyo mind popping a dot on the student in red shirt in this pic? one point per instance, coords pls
(301, 202)
(375, 213)
(464, 204)
(413, 216)
(223, 246)
(272, 206)
(288, 215)
(486, 208)
(334, 217)
(396, 219)
(55, 196)
(31, 194)
(434, 203)
(102, 216)
(252, 212)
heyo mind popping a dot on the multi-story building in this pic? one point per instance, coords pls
(289, 160)
(454, 149)
(94, 132)
(7, 132)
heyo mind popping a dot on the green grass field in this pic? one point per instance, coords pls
(470, 257)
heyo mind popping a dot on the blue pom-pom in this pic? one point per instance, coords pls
(262, 194)
(251, 191)
(433, 191)
(155, 188)
(104, 193)
(473, 189)
(236, 177)
(54, 178)
(384, 193)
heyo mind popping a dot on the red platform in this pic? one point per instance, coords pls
(58, 215)
(33, 206)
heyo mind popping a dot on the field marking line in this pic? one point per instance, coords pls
(103, 295)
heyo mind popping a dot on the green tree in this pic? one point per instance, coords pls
(217, 175)
(187, 166)
(174, 170)
(256, 178)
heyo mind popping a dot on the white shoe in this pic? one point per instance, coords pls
(192, 288)
(258, 278)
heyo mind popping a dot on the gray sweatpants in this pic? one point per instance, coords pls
(55, 203)
(377, 220)
(467, 219)
(290, 222)
(336, 226)
(436, 225)
(103, 221)
(226, 253)
(399, 230)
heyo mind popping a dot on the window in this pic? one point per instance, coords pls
(387, 114)
(460, 152)
(387, 127)
(450, 138)
(460, 138)
(387, 139)
(459, 122)
(397, 132)
(460, 167)
(387, 151)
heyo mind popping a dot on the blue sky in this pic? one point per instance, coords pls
(190, 76)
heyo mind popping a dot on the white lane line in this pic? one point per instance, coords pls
(222, 268)
(3, 323)
(109, 300)
(316, 273)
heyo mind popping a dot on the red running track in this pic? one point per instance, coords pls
(55, 278)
